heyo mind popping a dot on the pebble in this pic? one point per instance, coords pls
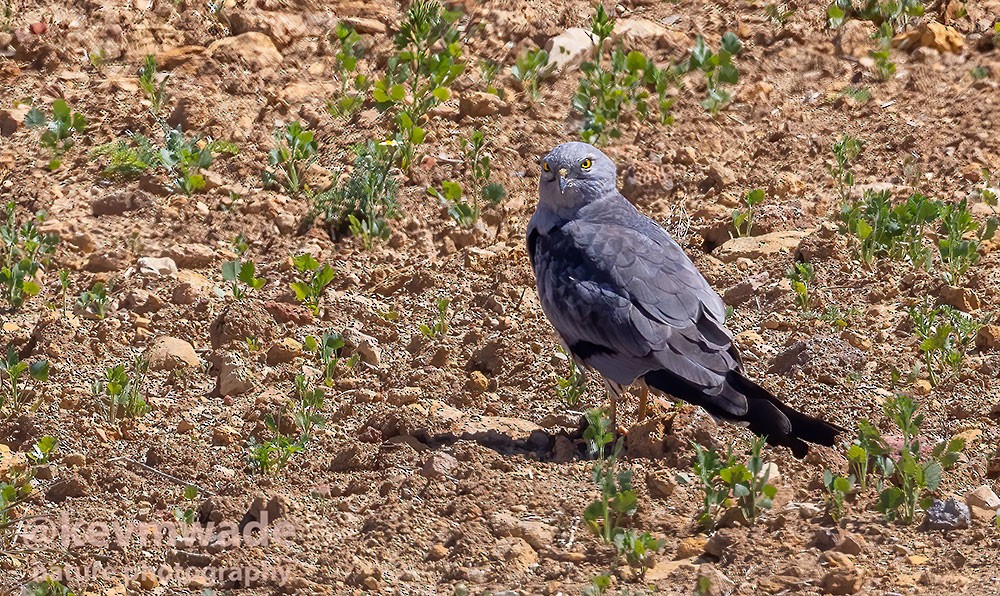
(949, 514)
(983, 497)
(169, 353)
(157, 267)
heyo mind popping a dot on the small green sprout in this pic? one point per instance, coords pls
(313, 279)
(60, 132)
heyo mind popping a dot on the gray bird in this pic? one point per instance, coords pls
(628, 302)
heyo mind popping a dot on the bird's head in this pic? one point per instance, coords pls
(574, 174)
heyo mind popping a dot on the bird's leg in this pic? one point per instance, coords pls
(643, 402)
(613, 391)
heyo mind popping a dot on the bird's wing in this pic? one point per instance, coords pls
(626, 300)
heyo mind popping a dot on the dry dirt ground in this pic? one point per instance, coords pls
(451, 465)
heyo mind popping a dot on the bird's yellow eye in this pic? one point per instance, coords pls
(545, 166)
(585, 164)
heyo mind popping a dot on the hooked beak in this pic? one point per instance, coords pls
(562, 179)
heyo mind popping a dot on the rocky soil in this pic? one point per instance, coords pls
(451, 465)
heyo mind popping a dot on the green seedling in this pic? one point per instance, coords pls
(98, 59)
(47, 587)
(488, 71)
(530, 68)
(895, 13)
(628, 79)
(719, 69)
(128, 158)
(240, 273)
(913, 477)
(945, 335)
(313, 279)
(571, 387)
(95, 301)
(477, 162)
(123, 390)
(743, 219)
(189, 514)
(272, 455)
(12, 382)
(419, 76)
(366, 200)
(25, 252)
(866, 453)
(845, 151)
(440, 326)
(840, 319)
(60, 132)
(599, 585)
(185, 158)
(153, 84)
(253, 343)
(978, 73)
(802, 277)
(959, 241)
(308, 405)
(327, 349)
(748, 483)
(43, 449)
(606, 515)
(708, 464)
(353, 84)
(837, 489)
(861, 95)
(778, 13)
(294, 152)
(885, 68)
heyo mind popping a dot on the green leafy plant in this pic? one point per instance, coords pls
(945, 336)
(122, 390)
(961, 236)
(529, 69)
(272, 455)
(95, 301)
(893, 12)
(153, 84)
(43, 449)
(866, 453)
(189, 514)
(327, 349)
(743, 219)
(845, 150)
(488, 71)
(778, 13)
(802, 277)
(834, 316)
(47, 587)
(837, 489)
(313, 279)
(185, 158)
(419, 76)
(128, 158)
(308, 405)
(366, 200)
(571, 387)
(861, 95)
(914, 478)
(605, 516)
(885, 68)
(60, 131)
(598, 585)
(748, 483)
(627, 79)
(353, 84)
(294, 152)
(440, 326)
(477, 162)
(718, 68)
(241, 273)
(26, 251)
(12, 390)
(980, 72)
(708, 464)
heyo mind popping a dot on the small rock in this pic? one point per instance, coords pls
(949, 514)
(70, 486)
(224, 435)
(963, 299)
(983, 497)
(569, 49)
(169, 353)
(661, 484)
(191, 255)
(234, 376)
(759, 247)
(518, 552)
(254, 49)
(479, 103)
(366, 26)
(439, 465)
(931, 34)
(843, 576)
(283, 352)
(917, 560)
(720, 175)
(478, 381)
(693, 546)
(988, 337)
(437, 552)
(746, 289)
(157, 267)
(852, 544)
(720, 543)
(365, 345)
(718, 584)
(116, 203)
(74, 459)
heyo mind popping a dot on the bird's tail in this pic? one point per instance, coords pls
(765, 414)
